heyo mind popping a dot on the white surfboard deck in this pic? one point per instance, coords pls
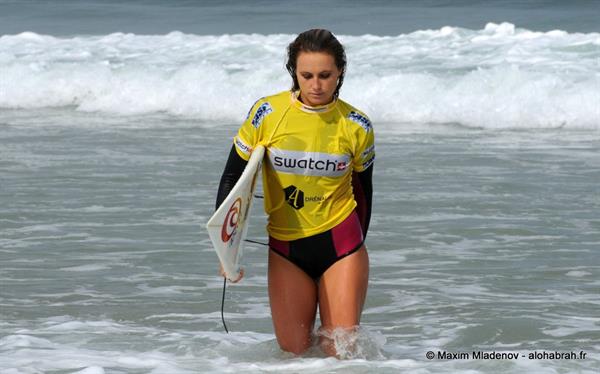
(228, 226)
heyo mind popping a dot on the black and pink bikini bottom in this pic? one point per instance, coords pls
(315, 254)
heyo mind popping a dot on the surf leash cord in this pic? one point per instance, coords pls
(225, 287)
(223, 304)
(255, 242)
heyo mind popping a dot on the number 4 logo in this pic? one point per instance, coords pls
(294, 196)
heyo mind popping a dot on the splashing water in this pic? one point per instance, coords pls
(353, 343)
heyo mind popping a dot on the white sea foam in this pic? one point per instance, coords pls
(91, 370)
(578, 273)
(497, 77)
(574, 325)
(86, 268)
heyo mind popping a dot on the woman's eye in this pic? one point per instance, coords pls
(307, 76)
(324, 76)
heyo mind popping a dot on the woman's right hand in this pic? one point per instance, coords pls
(240, 276)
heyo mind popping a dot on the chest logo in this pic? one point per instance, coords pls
(309, 163)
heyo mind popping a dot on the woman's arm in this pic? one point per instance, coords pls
(232, 173)
(362, 186)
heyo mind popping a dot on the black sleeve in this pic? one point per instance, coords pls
(362, 186)
(233, 171)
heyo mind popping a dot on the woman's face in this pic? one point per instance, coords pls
(317, 76)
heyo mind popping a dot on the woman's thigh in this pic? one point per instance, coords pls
(343, 289)
(293, 299)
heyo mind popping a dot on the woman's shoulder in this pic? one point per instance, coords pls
(263, 107)
(276, 99)
(355, 115)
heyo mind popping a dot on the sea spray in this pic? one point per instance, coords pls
(354, 343)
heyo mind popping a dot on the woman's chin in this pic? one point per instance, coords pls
(318, 100)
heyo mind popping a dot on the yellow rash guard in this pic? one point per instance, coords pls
(310, 155)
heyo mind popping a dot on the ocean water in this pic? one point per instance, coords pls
(115, 122)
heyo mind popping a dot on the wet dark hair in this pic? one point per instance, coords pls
(316, 40)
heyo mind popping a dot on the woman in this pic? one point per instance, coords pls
(317, 186)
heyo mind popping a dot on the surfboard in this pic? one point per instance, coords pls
(228, 226)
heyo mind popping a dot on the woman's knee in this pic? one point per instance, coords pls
(295, 344)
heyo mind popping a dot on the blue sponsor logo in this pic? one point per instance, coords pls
(261, 112)
(252, 107)
(368, 150)
(361, 120)
(368, 163)
(250, 111)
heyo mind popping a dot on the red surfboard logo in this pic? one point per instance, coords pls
(231, 220)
